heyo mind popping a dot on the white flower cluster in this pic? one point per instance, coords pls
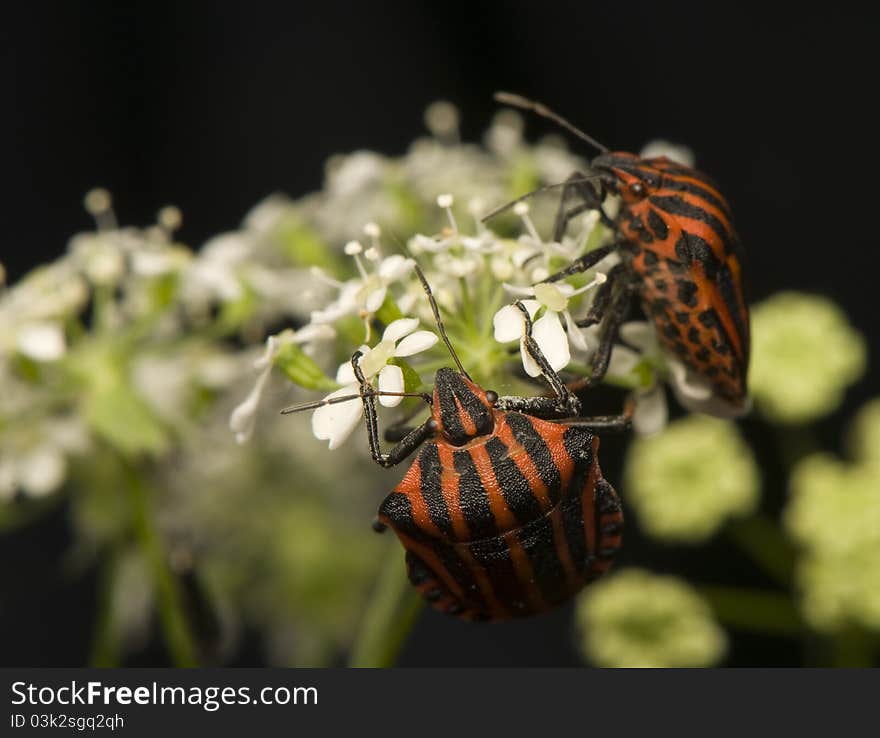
(636, 619)
(111, 341)
(473, 276)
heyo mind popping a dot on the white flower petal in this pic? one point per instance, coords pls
(623, 360)
(399, 328)
(335, 423)
(244, 417)
(394, 267)
(639, 334)
(42, 341)
(651, 412)
(153, 263)
(508, 323)
(531, 306)
(677, 152)
(519, 290)
(314, 332)
(419, 243)
(346, 303)
(416, 343)
(686, 383)
(529, 364)
(523, 253)
(42, 470)
(375, 299)
(502, 268)
(345, 374)
(269, 352)
(575, 334)
(550, 337)
(485, 244)
(390, 380)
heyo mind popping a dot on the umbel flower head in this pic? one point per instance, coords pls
(805, 354)
(131, 345)
(864, 435)
(475, 272)
(638, 619)
(834, 515)
(686, 481)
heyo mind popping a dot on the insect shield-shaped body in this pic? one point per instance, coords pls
(679, 243)
(502, 514)
(680, 257)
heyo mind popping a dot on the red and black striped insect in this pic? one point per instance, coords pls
(679, 254)
(504, 513)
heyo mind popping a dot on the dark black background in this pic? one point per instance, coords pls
(211, 106)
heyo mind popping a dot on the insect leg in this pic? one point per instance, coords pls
(541, 407)
(614, 316)
(582, 263)
(402, 426)
(622, 422)
(603, 296)
(591, 200)
(563, 405)
(603, 422)
(409, 443)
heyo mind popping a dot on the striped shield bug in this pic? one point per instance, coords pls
(679, 255)
(504, 512)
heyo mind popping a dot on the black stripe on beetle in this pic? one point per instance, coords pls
(472, 497)
(515, 488)
(431, 470)
(538, 452)
(542, 548)
(675, 205)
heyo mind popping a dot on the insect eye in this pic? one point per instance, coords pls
(637, 189)
(491, 397)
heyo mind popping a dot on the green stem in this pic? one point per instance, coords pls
(762, 541)
(754, 610)
(103, 308)
(176, 629)
(467, 306)
(390, 615)
(105, 643)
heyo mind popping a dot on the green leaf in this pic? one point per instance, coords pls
(115, 412)
(411, 379)
(301, 369)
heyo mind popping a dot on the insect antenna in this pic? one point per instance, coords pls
(506, 206)
(440, 328)
(518, 101)
(346, 398)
